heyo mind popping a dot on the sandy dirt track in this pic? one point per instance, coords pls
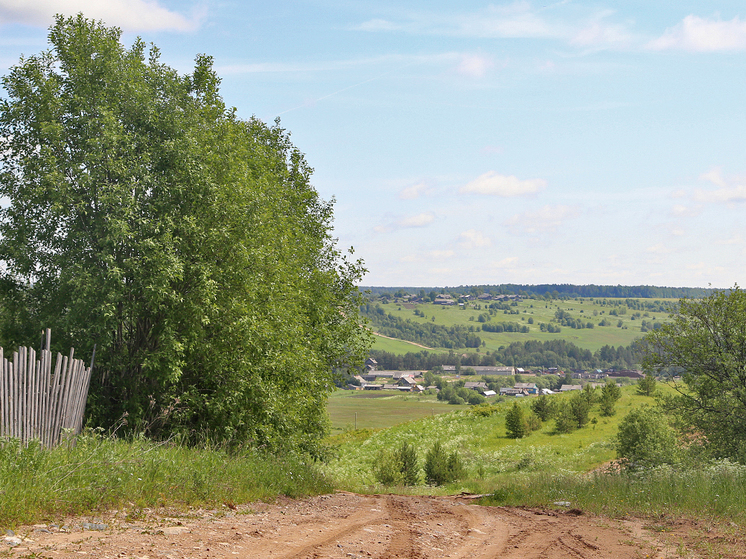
(346, 525)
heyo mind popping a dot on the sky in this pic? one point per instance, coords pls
(475, 143)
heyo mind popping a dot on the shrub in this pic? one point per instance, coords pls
(398, 467)
(515, 422)
(543, 407)
(441, 468)
(646, 439)
(564, 419)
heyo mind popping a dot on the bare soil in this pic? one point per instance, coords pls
(347, 525)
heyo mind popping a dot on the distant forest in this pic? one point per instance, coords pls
(529, 354)
(556, 290)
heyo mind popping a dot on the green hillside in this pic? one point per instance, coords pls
(614, 322)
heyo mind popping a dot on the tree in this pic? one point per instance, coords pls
(646, 385)
(515, 422)
(543, 407)
(145, 217)
(705, 344)
(580, 405)
(441, 468)
(610, 394)
(645, 439)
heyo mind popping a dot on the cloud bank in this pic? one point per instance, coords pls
(696, 34)
(494, 184)
(130, 15)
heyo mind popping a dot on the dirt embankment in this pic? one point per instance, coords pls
(346, 525)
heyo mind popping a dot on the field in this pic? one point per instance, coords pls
(352, 409)
(624, 323)
(491, 457)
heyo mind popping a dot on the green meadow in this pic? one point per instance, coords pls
(478, 434)
(351, 409)
(622, 329)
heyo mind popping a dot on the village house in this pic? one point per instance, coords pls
(529, 387)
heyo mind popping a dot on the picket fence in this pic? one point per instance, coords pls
(36, 403)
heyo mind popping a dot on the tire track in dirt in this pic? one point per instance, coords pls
(347, 526)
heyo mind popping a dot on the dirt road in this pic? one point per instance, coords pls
(344, 525)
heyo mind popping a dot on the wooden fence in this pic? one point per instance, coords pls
(36, 403)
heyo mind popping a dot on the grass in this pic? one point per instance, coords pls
(351, 409)
(541, 311)
(715, 491)
(491, 458)
(99, 473)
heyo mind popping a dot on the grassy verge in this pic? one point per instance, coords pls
(717, 490)
(99, 473)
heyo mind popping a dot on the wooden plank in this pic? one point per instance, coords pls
(54, 424)
(3, 396)
(13, 377)
(67, 394)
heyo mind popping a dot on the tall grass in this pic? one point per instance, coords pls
(95, 473)
(717, 490)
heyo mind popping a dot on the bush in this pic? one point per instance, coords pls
(398, 467)
(645, 439)
(543, 407)
(515, 422)
(564, 419)
(441, 468)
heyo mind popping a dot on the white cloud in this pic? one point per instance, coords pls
(506, 262)
(474, 65)
(517, 20)
(599, 33)
(722, 195)
(680, 210)
(715, 176)
(696, 34)
(659, 248)
(494, 184)
(440, 254)
(729, 190)
(734, 240)
(474, 239)
(130, 15)
(492, 150)
(414, 191)
(420, 220)
(429, 256)
(378, 25)
(726, 193)
(547, 218)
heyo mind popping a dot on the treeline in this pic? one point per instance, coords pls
(431, 335)
(528, 354)
(556, 291)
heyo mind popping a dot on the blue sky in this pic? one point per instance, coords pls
(483, 143)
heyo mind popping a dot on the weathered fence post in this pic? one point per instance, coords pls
(36, 403)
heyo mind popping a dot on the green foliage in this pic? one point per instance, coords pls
(515, 422)
(564, 419)
(398, 466)
(96, 473)
(580, 406)
(145, 217)
(441, 467)
(610, 393)
(646, 385)
(704, 344)
(645, 439)
(432, 335)
(543, 407)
